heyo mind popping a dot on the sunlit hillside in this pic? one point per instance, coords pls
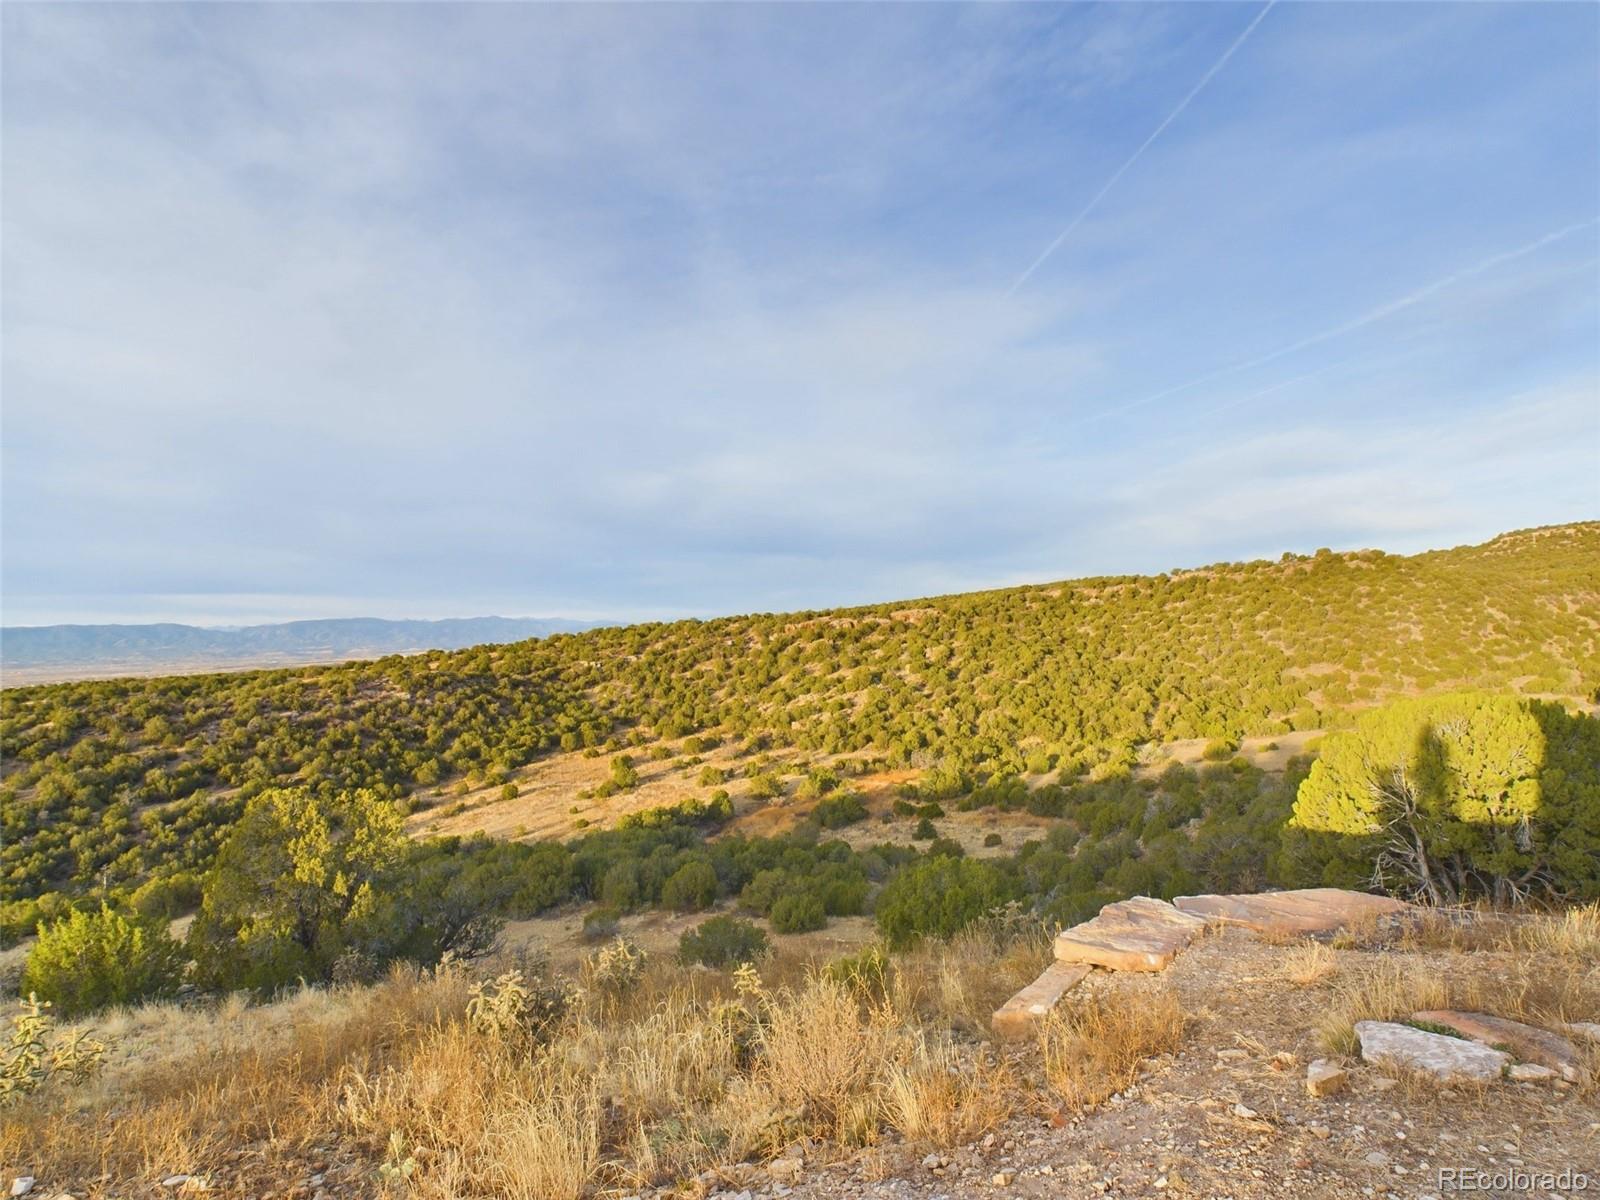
(109, 784)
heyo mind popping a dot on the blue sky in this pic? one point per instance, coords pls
(408, 310)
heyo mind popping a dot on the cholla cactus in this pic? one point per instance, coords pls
(31, 1056)
(615, 967)
(512, 1008)
(747, 981)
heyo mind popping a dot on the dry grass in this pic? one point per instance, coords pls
(1542, 971)
(1309, 963)
(216, 1079)
(1572, 933)
(656, 1072)
(936, 1096)
(678, 1071)
(1094, 1050)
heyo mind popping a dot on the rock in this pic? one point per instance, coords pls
(1323, 1078)
(1446, 1058)
(930, 1162)
(22, 1185)
(1245, 1112)
(1321, 1132)
(174, 1181)
(1376, 1158)
(1529, 1073)
(785, 1169)
(1589, 1031)
(1002, 1178)
(1526, 1042)
(1021, 1015)
(1233, 1055)
(1308, 910)
(1140, 934)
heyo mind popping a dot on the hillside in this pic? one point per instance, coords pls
(108, 784)
(54, 653)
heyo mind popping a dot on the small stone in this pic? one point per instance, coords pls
(174, 1181)
(1529, 1073)
(1383, 1083)
(1002, 1178)
(1232, 1055)
(1321, 1132)
(930, 1162)
(1323, 1078)
(785, 1168)
(1376, 1158)
(22, 1185)
(1245, 1112)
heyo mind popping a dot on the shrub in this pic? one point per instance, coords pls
(992, 839)
(91, 960)
(624, 776)
(712, 776)
(835, 812)
(938, 897)
(723, 941)
(1456, 798)
(798, 913)
(509, 792)
(691, 887)
(619, 887)
(301, 880)
(601, 924)
(924, 831)
(167, 896)
(1219, 750)
(765, 786)
(819, 781)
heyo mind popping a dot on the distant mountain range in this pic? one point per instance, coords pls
(46, 653)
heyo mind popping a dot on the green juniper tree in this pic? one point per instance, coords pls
(1456, 798)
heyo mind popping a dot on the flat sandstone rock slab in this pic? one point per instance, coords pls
(1309, 910)
(1449, 1059)
(1020, 1016)
(1140, 934)
(1527, 1042)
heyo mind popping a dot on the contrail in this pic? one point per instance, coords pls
(1143, 146)
(1382, 311)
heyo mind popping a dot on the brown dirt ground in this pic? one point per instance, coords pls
(1177, 1131)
